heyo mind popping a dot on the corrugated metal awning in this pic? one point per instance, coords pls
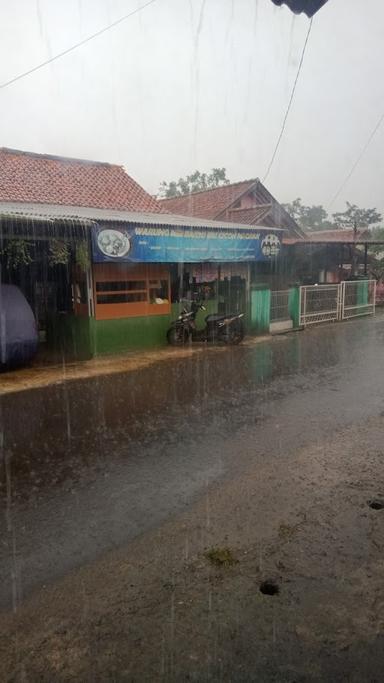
(88, 216)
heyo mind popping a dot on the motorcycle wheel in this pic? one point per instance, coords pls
(177, 336)
(234, 335)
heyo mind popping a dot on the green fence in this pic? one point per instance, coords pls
(260, 310)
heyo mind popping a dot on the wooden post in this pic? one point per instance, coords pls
(365, 257)
(353, 256)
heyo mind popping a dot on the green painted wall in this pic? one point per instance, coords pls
(70, 335)
(82, 338)
(124, 334)
(260, 310)
(362, 293)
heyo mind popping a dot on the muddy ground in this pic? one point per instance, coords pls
(159, 609)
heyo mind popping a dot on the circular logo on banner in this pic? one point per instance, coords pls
(113, 243)
(270, 246)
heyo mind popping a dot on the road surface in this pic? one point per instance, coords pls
(93, 466)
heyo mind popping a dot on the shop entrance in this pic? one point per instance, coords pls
(232, 294)
(222, 286)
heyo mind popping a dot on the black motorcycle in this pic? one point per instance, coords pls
(218, 328)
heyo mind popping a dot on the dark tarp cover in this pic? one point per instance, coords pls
(18, 332)
(309, 7)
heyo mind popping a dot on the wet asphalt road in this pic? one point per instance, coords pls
(89, 465)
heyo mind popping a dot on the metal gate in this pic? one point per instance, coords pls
(319, 303)
(280, 319)
(279, 305)
(357, 298)
(328, 303)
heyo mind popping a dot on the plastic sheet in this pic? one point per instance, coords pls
(18, 331)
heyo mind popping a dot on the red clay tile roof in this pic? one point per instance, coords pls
(218, 204)
(292, 240)
(207, 203)
(252, 216)
(45, 179)
(337, 236)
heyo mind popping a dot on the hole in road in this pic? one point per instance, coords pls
(376, 504)
(269, 587)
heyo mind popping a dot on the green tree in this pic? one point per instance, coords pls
(377, 235)
(195, 182)
(295, 209)
(354, 216)
(308, 217)
(316, 218)
(376, 251)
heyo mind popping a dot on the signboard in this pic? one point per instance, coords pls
(182, 245)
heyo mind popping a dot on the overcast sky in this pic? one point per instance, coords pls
(188, 84)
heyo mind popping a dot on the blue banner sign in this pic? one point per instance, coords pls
(182, 245)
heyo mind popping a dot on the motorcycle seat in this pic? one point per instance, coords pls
(215, 317)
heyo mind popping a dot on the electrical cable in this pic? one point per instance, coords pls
(75, 46)
(289, 103)
(356, 163)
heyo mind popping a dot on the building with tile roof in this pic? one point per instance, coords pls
(45, 179)
(105, 267)
(247, 202)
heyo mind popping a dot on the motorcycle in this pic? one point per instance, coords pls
(218, 328)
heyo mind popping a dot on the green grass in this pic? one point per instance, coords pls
(287, 531)
(221, 557)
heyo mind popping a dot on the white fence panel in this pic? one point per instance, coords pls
(319, 304)
(358, 298)
(279, 305)
(328, 303)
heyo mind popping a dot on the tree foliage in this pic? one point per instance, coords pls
(59, 253)
(316, 217)
(16, 253)
(82, 255)
(354, 216)
(377, 252)
(308, 217)
(195, 182)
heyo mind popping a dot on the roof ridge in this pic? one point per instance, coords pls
(341, 230)
(56, 157)
(209, 189)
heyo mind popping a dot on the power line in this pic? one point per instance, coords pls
(75, 46)
(289, 103)
(347, 177)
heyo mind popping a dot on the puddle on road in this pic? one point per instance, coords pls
(376, 504)
(269, 587)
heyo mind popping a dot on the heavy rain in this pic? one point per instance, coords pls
(191, 342)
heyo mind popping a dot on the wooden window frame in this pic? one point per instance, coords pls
(80, 308)
(125, 272)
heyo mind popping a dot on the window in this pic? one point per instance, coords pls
(125, 297)
(120, 285)
(127, 289)
(158, 291)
